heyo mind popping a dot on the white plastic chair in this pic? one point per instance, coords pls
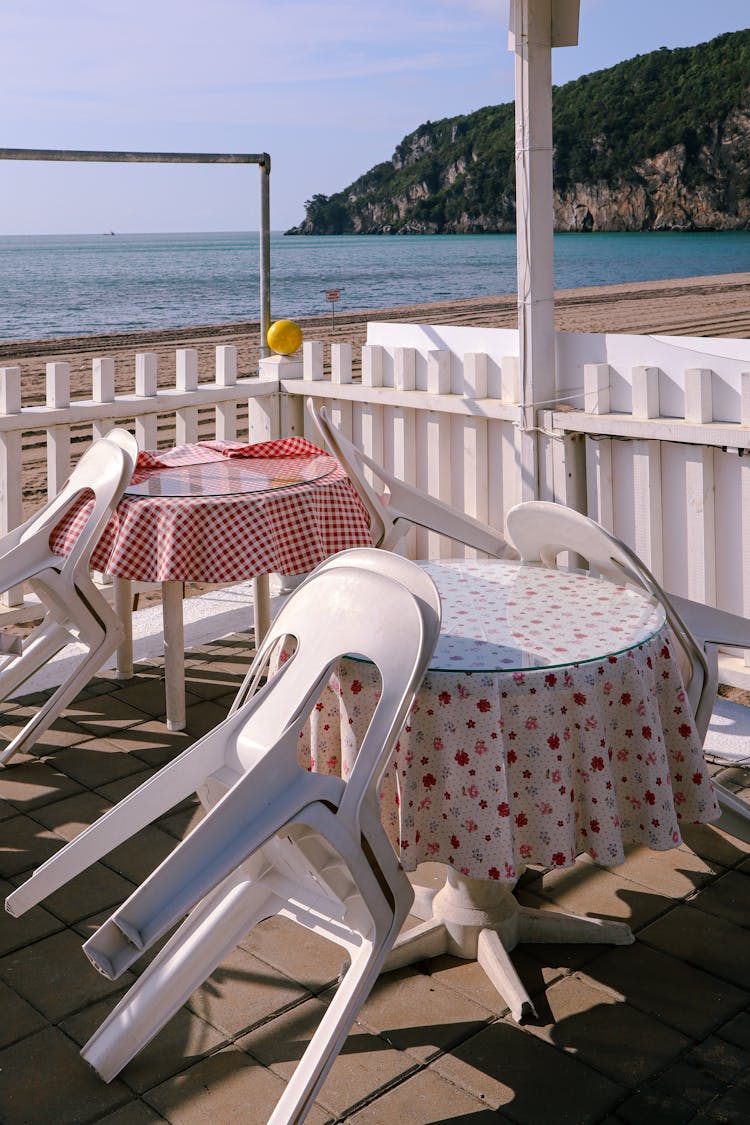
(540, 531)
(75, 610)
(394, 512)
(277, 839)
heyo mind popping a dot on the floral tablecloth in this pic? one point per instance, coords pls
(553, 721)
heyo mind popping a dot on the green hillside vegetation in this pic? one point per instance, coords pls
(461, 170)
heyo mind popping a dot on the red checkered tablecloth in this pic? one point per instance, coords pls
(226, 538)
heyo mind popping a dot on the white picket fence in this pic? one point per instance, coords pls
(651, 435)
(225, 407)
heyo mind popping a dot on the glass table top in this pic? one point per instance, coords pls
(230, 476)
(506, 616)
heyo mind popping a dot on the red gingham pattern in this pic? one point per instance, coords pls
(226, 538)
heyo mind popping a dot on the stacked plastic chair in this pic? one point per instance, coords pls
(400, 505)
(277, 839)
(540, 531)
(75, 611)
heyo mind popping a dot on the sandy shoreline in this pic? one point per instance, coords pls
(700, 306)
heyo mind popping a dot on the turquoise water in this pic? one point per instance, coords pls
(68, 285)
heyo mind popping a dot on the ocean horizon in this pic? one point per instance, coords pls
(75, 285)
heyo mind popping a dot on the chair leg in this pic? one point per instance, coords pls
(220, 844)
(59, 699)
(40, 646)
(212, 931)
(331, 1033)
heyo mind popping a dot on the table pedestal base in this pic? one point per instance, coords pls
(481, 920)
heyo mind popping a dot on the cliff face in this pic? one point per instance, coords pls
(661, 142)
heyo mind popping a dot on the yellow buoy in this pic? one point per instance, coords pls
(284, 337)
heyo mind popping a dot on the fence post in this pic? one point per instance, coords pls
(186, 420)
(11, 501)
(226, 376)
(58, 437)
(145, 387)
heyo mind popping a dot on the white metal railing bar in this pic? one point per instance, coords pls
(262, 159)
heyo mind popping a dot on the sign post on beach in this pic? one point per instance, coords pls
(333, 295)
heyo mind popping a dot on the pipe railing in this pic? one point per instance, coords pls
(262, 159)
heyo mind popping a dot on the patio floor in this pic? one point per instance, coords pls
(655, 1031)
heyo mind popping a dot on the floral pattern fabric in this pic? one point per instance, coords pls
(524, 751)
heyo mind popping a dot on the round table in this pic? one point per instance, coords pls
(553, 721)
(221, 512)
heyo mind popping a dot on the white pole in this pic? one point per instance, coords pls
(531, 39)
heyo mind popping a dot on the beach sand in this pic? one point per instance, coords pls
(702, 306)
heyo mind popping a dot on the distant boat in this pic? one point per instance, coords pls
(109, 232)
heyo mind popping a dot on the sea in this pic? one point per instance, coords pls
(72, 285)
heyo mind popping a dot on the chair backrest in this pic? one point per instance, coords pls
(354, 461)
(104, 470)
(540, 531)
(402, 505)
(343, 609)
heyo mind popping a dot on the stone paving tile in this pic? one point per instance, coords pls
(145, 694)
(210, 682)
(135, 1113)
(681, 996)
(709, 943)
(732, 1107)
(69, 817)
(101, 713)
(24, 845)
(689, 975)
(416, 1014)
(181, 1042)
(243, 992)
(97, 762)
(426, 1099)
(726, 1061)
(609, 1035)
(713, 845)
(7, 810)
(61, 733)
(16, 933)
(19, 1019)
(468, 979)
(32, 783)
(116, 790)
(96, 889)
(44, 1081)
(727, 897)
(365, 1064)
(203, 717)
(56, 977)
(153, 744)
(137, 857)
(228, 1088)
(598, 892)
(737, 1030)
(182, 819)
(647, 1105)
(524, 1077)
(675, 875)
(300, 954)
(685, 1082)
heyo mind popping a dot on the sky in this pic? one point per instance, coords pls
(328, 88)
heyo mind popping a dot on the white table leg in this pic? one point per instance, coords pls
(174, 654)
(481, 920)
(123, 601)
(262, 607)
